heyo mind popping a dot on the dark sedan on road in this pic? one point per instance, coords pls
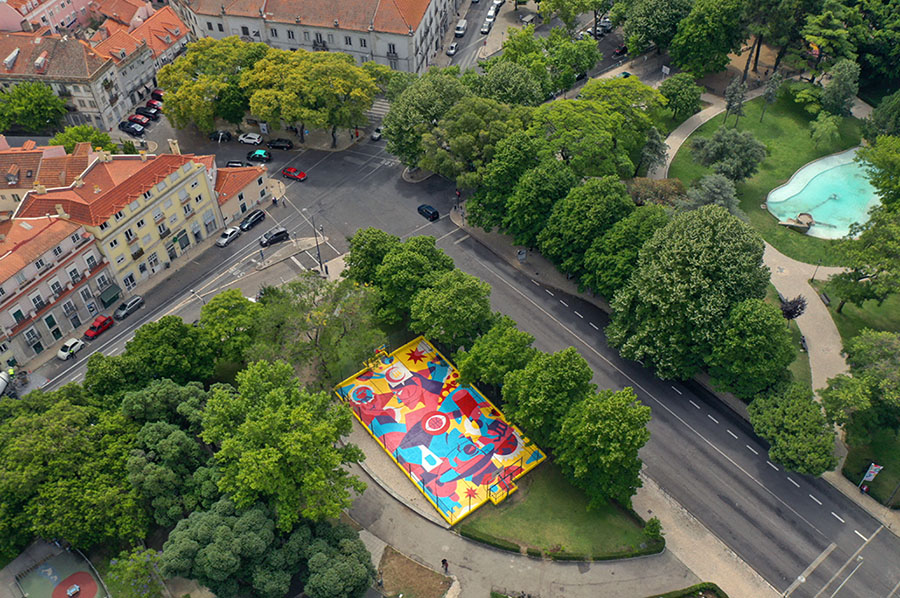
(151, 113)
(252, 219)
(282, 144)
(220, 136)
(276, 235)
(133, 129)
(259, 155)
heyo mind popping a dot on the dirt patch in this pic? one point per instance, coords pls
(402, 575)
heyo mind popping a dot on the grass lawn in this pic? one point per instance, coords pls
(785, 131)
(402, 576)
(800, 366)
(548, 514)
(665, 120)
(852, 319)
(883, 449)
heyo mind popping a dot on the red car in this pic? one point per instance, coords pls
(293, 173)
(157, 94)
(101, 324)
(141, 120)
(154, 104)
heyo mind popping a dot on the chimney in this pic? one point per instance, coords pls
(96, 189)
(174, 147)
(29, 145)
(79, 182)
(105, 156)
(2, 238)
(60, 211)
(40, 189)
(143, 154)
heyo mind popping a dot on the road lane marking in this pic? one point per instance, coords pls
(818, 502)
(812, 567)
(676, 390)
(751, 449)
(640, 362)
(444, 236)
(579, 315)
(594, 326)
(534, 281)
(712, 418)
(733, 435)
(296, 261)
(894, 591)
(549, 292)
(693, 403)
(838, 517)
(850, 560)
(860, 535)
(792, 481)
(564, 303)
(457, 242)
(772, 465)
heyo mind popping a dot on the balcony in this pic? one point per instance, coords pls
(165, 233)
(132, 240)
(76, 278)
(138, 253)
(319, 45)
(39, 304)
(157, 218)
(392, 54)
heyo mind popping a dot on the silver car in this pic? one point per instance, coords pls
(228, 235)
(128, 307)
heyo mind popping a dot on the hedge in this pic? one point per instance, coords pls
(692, 591)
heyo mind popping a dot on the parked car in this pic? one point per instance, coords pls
(228, 235)
(100, 325)
(259, 155)
(606, 24)
(498, 4)
(70, 348)
(621, 51)
(429, 212)
(623, 75)
(236, 164)
(128, 307)
(139, 119)
(154, 104)
(252, 219)
(486, 27)
(133, 129)
(282, 144)
(157, 94)
(151, 113)
(451, 50)
(276, 235)
(491, 14)
(220, 136)
(376, 134)
(251, 138)
(293, 173)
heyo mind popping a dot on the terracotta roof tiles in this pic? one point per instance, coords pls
(65, 59)
(162, 25)
(26, 240)
(231, 180)
(118, 42)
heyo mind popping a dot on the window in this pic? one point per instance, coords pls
(306, 36)
(129, 282)
(362, 42)
(2, 292)
(91, 261)
(244, 30)
(290, 34)
(162, 228)
(104, 226)
(274, 32)
(330, 38)
(57, 251)
(102, 281)
(209, 25)
(153, 260)
(135, 206)
(119, 215)
(75, 238)
(262, 192)
(173, 218)
(157, 214)
(38, 301)
(129, 235)
(120, 259)
(18, 316)
(86, 293)
(20, 278)
(188, 210)
(75, 275)
(56, 287)
(82, 103)
(147, 195)
(4, 347)
(319, 37)
(393, 64)
(348, 41)
(167, 204)
(162, 184)
(114, 243)
(146, 240)
(15, 196)
(39, 264)
(259, 181)
(241, 196)
(69, 308)
(50, 321)
(194, 184)
(222, 29)
(392, 49)
(141, 223)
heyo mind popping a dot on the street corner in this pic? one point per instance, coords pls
(415, 174)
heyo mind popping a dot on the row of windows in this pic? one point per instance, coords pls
(317, 37)
(56, 287)
(40, 264)
(162, 227)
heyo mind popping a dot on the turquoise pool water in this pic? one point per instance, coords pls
(834, 190)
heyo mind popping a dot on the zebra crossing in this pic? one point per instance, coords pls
(379, 108)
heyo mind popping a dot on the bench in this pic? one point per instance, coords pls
(825, 299)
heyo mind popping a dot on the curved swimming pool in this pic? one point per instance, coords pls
(833, 189)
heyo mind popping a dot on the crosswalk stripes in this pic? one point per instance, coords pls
(379, 108)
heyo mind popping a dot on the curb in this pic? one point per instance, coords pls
(409, 178)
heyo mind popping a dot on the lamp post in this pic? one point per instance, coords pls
(198, 296)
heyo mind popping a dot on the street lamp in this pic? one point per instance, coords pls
(316, 232)
(198, 296)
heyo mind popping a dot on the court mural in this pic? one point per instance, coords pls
(450, 440)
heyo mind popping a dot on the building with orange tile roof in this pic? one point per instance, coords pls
(37, 15)
(164, 34)
(240, 189)
(402, 34)
(53, 279)
(20, 170)
(130, 13)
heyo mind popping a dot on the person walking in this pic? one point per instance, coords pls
(445, 565)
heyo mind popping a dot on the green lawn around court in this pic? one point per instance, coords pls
(785, 132)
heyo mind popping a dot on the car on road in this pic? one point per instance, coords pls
(259, 155)
(282, 144)
(293, 173)
(251, 138)
(486, 27)
(276, 235)
(606, 24)
(429, 212)
(157, 94)
(220, 136)
(491, 14)
(128, 307)
(100, 325)
(133, 129)
(70, 348)
(236, 164)
(139, 119)
(252, 219)
(621, 51)
(498, 4)
(623, 75)
(228, 235)
(154, 104)
(451, 51)
(151, 113)
(376, 134)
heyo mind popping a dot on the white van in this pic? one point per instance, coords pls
(461, 27)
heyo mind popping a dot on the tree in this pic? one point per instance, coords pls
(885, 118)
(631, 100)
(418, 109)
(690, 275)
(665, 192)
(735, 94)
(341, 569)
(229, 319)
(510, 83)
(568, 58)
(585, 214)
(682, 94)
(169, 348)
(713, 189)
(464, 140)
(838, 95)
(339, 92)
(524, 48)
(533, 199)
(653, 23)
(731, 153)
(792, 309)
(753, 328)
(538, 396)
(279, 443)
(829, 34)
(613, 256)
(454, 311)
(135, 574)
(770, 94)
(416, 264)
(654, 152)
(706, 36)
(83, 133)
(31, 107)
(165, 401)
(825, 129)
(368, 246)
(792, 422)
(566, 10)
(882, 164)
(502, 349)
(600, 439)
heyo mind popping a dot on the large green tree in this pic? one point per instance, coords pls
(509, 82)
(533, 198)
(842, 87)
(166, 401)
(416, 264)
(169, 348)
(69, 136)
(454, 312)
(885, 118)
(682, 93)
(30, 107)
(600, 438)
(368, 246)
(135, 574)
(690, 275)
(229, 320)
(632, 100)
(279, 443)
(731, 153)
(882, 163)
(828, 33)
(707, 35)
(713, 189)
(502, 349)
(653, 22)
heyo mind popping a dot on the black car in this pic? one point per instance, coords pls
(236, 164)
(276, 235)
(133, 129)
(282, 144)
(621, 51)
(151, 113)
(429, 212)
(252, 219)
(259, 155)
(220, 136)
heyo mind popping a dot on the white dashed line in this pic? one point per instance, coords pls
(534, 281)
(818, 502)
(865, 539)
(751, 449)
(676, 390)
(564, 303)
(712, 418)
(772, 465)
(838, 517)
(579, 315)
(549, 292)
(792, 481)
(693, 403)
(733, 435)
(463, 239)
(594, 326)
(640, 362)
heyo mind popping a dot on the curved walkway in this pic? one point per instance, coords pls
(789, 276)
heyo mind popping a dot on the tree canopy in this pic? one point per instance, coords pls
(682, 93)
(30, 107)
(69, 136)
(502, 349)
(711, 30)
(731, 153)
(533, 198)
(454, 311)
(415, 264)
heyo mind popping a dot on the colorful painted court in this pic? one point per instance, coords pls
(451, 441)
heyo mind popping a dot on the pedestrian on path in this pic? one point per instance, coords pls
(445, 565)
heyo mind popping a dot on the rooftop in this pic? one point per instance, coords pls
(161, 30)
(61, 171)
(118, 46)
(51, 56)
(230, 181)
(24, 241)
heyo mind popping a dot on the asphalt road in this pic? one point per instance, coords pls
(784, 525)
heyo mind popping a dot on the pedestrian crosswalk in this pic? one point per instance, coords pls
(379, 108)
